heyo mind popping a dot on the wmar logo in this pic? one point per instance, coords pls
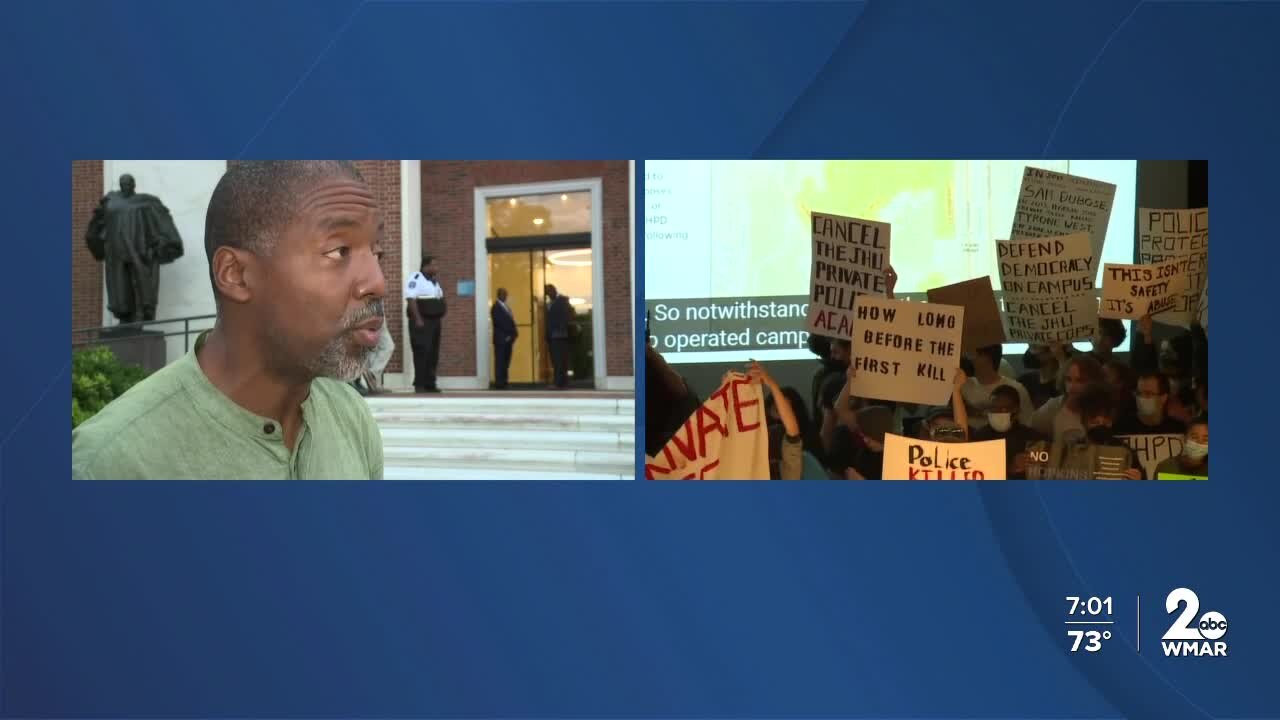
(1188, 637)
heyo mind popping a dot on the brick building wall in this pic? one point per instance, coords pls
(86, 273)
(448, 233)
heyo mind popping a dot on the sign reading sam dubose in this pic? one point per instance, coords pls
(726, 438)
(849, 259)
(906, 351)
(910, 459)
(1052, 204)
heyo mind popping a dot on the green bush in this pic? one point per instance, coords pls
(97, 378)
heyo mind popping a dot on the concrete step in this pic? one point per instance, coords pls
(401, 472)
(481, 438)
(514, 405)
(433, 420)
(551, 461)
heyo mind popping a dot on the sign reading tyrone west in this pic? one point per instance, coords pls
(849, 259)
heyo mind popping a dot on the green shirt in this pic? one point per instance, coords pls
(177, 425)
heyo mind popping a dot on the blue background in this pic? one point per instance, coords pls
(629, 599)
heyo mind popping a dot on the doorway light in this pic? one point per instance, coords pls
(538, 221)
(571, 258)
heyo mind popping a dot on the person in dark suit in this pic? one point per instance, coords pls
(559, 315)
(504, 337)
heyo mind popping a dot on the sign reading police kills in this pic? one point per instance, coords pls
(912, 459)
(1052, 204)
(905, 351)
(1183, 234)
(849, 259)
(1130, 292)
(1048, 288)
(724, 439)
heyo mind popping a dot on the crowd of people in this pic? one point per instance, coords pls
(1068, 406)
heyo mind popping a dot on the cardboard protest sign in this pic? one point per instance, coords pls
(849, 259)
(1174, 476)
(1048, 288)
(982, 323)
(1168, 234)
(1153, 449)
(911, 459)
(906, 351)
(1130, 292)
(726, 438)
(1203, 318)
(1051, 204)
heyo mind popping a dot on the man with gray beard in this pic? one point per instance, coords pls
(294, 250)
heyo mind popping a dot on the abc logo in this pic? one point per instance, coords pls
(1212, 625)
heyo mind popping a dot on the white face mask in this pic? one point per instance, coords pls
(1194, 450)
(1000, 422)
(1148, 406)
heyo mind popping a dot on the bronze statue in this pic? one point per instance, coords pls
(134, 233)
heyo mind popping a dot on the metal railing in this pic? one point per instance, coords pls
(94, 334)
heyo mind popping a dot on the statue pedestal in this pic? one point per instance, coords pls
(132, 346)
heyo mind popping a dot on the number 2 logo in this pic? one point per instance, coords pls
(1212, 625)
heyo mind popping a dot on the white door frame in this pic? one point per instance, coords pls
(596, 187)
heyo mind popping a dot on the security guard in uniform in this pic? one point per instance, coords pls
(424, 299)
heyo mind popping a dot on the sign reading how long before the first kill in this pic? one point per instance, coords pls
(1130, 292)
(912, 459)
(1051, 203)
(1169, 234)
(849, 259)
(725, 438)
(906, 351)
(1048, 288)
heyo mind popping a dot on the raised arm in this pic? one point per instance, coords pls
(958, 409)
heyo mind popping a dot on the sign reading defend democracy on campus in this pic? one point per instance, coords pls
(1168, 234)
(1048, 288)
(1153, 449)
(911, 459)
(726, 438)
(1130, 292)
(1052, 204)
(982, 323)
(849, 259)
(905, 351)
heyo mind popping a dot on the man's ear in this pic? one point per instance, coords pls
(234, 270)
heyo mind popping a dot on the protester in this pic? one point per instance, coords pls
(1041, 380)
(858, 451)
(1095, 453)
(1110, 335)
(1123, 383)
(1148, 415)
(786, 443)
(977, 389)
(1004, 423)
(1194, 460)
(669, 401)
(1062, 414)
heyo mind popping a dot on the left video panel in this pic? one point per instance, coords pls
(367, 319)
